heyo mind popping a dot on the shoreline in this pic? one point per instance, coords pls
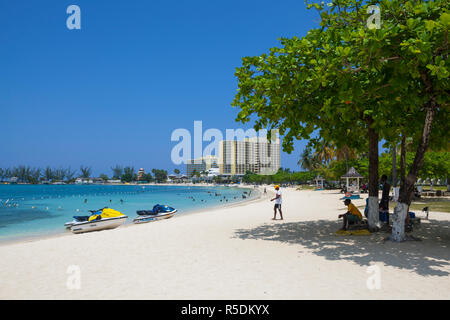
(237, 253)
(65, 233)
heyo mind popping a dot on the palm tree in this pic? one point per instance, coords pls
(117, 172)
(85, 172)
(325, 153)
(48, 174)
(60, 174)
(21, 173)
(70, 174)
(33, 175)
(129, 174)
(8, 173)
(307, 161)
(345, 153)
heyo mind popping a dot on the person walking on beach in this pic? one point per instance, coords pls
(278, 201)
(384, 203)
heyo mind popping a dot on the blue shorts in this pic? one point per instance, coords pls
(352, 217)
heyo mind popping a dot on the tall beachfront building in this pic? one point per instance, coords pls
(201, 164)
(252, 154)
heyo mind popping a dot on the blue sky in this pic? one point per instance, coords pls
(113, 92)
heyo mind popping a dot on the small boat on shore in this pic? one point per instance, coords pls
(102, 219)
(159, 212)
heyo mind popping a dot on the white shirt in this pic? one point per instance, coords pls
(278, 200)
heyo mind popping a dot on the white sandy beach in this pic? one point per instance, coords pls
(235, 252)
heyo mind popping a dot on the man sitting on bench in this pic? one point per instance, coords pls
(353, 215)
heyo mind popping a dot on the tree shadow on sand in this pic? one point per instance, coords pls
(428, 257)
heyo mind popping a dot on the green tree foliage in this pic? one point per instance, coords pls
(147, 177)
(48, 174)
(343, 78)
(70, 174)
(27, 174)
(195, 174)
(307, 160)
(117, 172)
(85, 172)
(282, 176)
(436, 165)
(129, 174)
(159, 175)
(59, 174)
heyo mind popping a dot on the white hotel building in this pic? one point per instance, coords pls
(256, 154)
(201, 164)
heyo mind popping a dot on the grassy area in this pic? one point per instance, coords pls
(306, 187)
(441, 205)
(427, 188)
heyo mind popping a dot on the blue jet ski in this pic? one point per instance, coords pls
(159, 212)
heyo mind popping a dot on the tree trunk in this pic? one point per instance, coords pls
(394, 173)
(403, 161)
(346, 159)
(394, 166)
(407, 187)
(373, 215)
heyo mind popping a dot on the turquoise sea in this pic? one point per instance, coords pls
(41, 210)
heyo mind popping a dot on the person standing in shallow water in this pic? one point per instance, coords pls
(278, 202)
